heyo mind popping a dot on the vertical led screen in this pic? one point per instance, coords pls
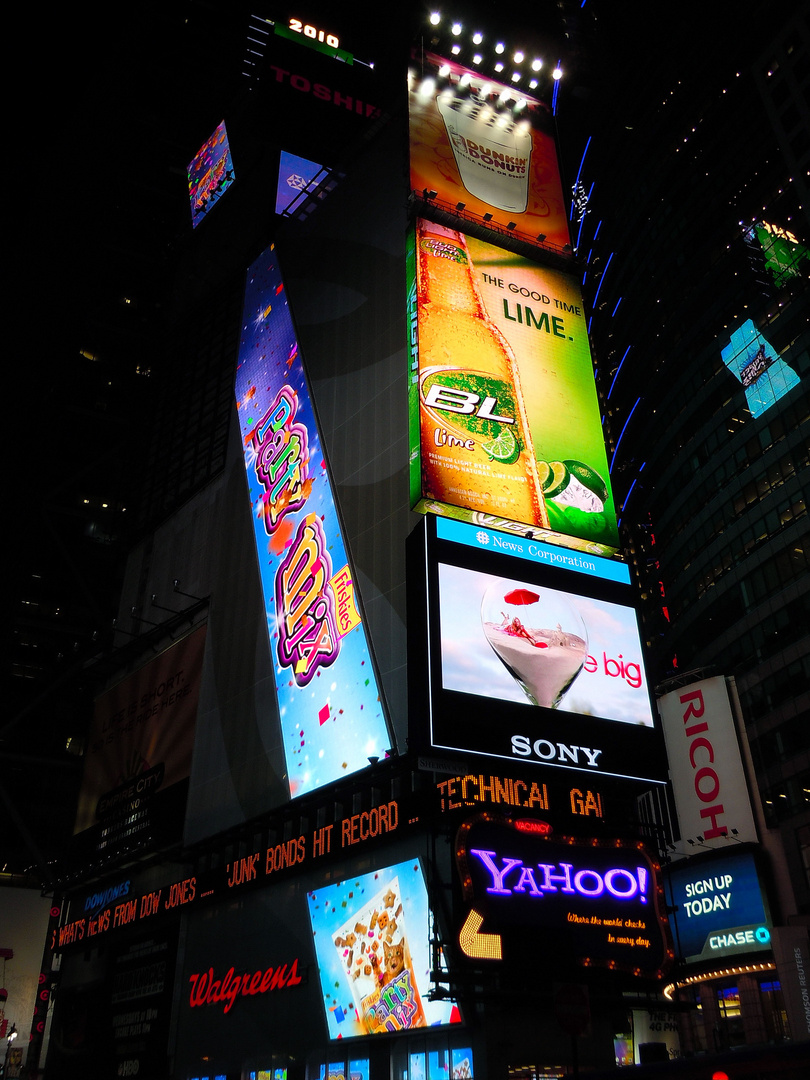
(372, 936)
(210, 173)
(753, 360)
(504, 417)
(329, 704)
(486, 145)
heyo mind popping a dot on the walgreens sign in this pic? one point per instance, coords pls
(705, 765)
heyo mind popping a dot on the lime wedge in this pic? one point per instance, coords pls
(505, 448)
(588, 477)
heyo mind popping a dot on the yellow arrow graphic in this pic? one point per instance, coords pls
(479, 946)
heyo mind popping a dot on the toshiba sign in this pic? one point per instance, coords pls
(705, 765)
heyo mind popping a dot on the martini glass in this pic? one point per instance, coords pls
(539, 636)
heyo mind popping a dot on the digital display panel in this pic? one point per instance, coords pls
(720, 908)
(331, 715)
(462, 1064)
(294, 174)
(785, 257)
(751, 358)
(505, 423)
(487, 146)
(139, 750)
(539, 665)
(371, 937)
(585, 902)
(210, 174)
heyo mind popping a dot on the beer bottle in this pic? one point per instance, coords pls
(475, 441)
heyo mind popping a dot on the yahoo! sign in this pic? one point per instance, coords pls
(555, 901)
(618, 881)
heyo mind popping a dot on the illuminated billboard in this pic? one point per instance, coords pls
(295, 174)
(372, 940)
(765, 377)
(785, 257)
(485, 148)
(720, 908)
(505, 424)
(331, 715)
(139, 748)
(210, 174)
(535, 663)
(535, 897)
(705, 764)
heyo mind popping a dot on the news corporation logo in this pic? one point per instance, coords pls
(482, 537)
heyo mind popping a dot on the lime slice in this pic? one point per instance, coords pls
(543, 474)
(588, 477)
(558, 479)
(505, 448)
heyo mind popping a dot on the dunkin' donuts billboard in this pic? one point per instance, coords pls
(487, 145)
(330, 710)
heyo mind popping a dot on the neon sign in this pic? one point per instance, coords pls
(208, 990)
(537, 898)
(313, 33)
(618, 881)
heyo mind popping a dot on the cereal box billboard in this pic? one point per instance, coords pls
(371, 935)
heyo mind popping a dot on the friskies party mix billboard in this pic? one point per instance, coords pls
(330, 711)
(505, 426)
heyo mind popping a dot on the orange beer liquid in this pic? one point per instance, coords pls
(475, 442)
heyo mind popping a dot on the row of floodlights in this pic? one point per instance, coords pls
(518, 57)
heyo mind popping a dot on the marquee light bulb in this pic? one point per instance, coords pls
(537, 63)
(499, 48)
(455, 29)
(477, 38)
(556, 73)
(518, 57)
(435, 18)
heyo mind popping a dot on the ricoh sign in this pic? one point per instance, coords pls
(705, 765)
